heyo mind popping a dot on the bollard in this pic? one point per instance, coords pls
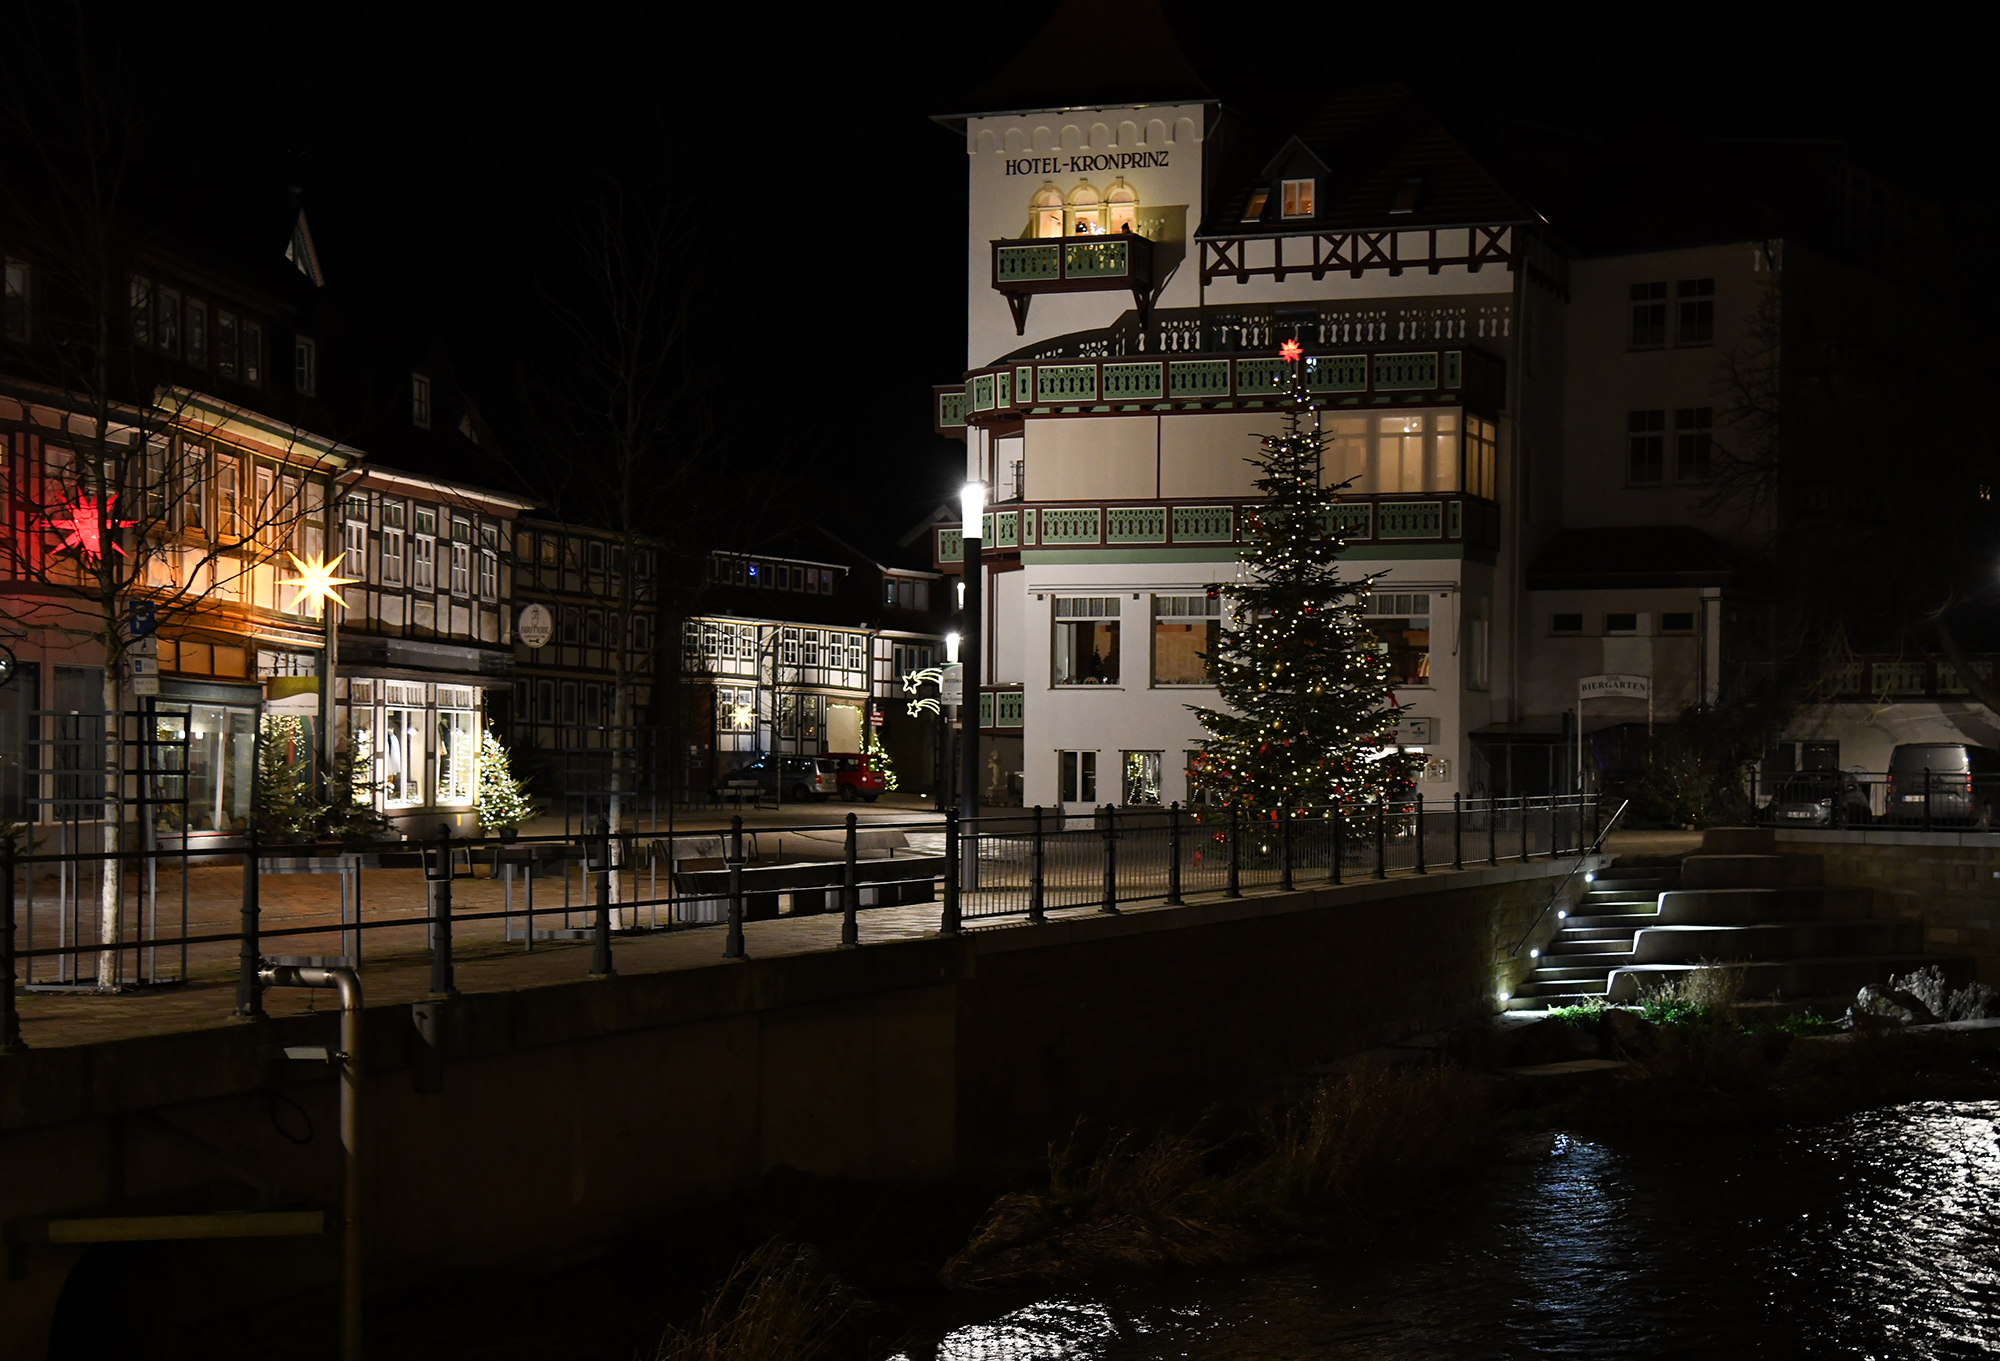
(249, 987)
(1285, 847)
(1457, 832)
(1421, 869)
(442, 983)
(10, 1016)
(1174, 854)
(600, 946)
(1235, 888)
(1381, 837)
(733, 945)
(1110, 903)
(850, 895)
(1037, 903)
(950, 923)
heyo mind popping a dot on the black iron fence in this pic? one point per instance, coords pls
(1918, 798)
(242, 903)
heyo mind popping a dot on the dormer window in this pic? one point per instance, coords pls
(1298, 198)
(1045, 212)
(1406, 197)
(420, 401)
(1253, 211)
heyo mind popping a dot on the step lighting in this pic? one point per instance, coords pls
(1562, 916)
(1506, 996)
(1534, 954)
(1590, 876)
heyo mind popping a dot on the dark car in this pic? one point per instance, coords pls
(805, 778)
(1819, 798)
(1949, 783)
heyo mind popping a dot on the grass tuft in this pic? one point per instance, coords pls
(779, 1303)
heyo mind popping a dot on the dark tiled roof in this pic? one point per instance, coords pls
(1095, 52)
(1635, 557)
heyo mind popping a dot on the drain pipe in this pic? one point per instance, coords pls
(349, 985)
(1575, 865)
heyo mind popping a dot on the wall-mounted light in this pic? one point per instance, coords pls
(972, 505)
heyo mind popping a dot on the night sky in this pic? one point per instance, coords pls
(445, 157)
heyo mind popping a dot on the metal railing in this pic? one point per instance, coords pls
(1903, 800)
(447, 895)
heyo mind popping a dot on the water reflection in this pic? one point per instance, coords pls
(1873, 1236)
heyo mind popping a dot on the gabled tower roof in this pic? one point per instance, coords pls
(1093, 54)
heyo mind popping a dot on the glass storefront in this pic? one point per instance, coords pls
(215, 747)
(417, 745)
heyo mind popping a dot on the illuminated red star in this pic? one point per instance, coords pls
(82, 526)
(1291, 351)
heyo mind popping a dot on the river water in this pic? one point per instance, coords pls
(1877, 1235)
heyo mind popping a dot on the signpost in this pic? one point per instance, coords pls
(1609, 687)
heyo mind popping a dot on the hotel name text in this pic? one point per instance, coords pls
(1084, 165)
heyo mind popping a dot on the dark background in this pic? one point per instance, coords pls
(444, 154)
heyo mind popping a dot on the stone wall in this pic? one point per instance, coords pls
(1950, 881)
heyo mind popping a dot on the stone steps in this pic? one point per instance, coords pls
(1733, 943)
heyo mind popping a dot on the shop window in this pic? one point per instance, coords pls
(1142, 777)
(1186, 632)
(1401, 627)
(402, 750)
(457, 755)
(1078, 775)
(1086, 643)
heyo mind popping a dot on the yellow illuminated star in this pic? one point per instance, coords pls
(316, 579)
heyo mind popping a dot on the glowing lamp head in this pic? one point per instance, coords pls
(1291, 352)
(1562, 916)
(972, 507)
(1590, 876)
(951, 646)
(1534, 954)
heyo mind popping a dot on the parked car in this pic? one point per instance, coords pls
(804, 778)
(857, 775)
(1819, 798)
(1953, 783)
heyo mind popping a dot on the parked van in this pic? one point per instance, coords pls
(1942, 783)
(859, 777)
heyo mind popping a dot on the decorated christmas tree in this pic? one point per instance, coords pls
(1308, 706)
(878, 757)
(503, 799)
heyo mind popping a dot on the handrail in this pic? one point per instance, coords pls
(1575, 865)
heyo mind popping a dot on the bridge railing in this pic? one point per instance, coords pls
(253, 903)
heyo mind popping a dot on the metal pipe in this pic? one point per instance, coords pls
(1457, 831)
(949, 923)
(348, 983)
(1110, 901)
(1421, 869)
(1174, 854)
(1037, 903)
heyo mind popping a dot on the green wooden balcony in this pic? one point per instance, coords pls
(1073, 264)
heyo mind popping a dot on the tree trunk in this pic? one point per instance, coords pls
(108, 892)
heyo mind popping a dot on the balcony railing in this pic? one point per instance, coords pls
(1349, 378)
(1443, 518)
(1072, 264)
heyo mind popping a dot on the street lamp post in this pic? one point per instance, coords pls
(972, 502)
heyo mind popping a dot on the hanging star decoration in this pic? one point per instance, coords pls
(1291, 351)
(82, 525)
(316, 579)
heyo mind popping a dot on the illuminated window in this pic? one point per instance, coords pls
(1480, 443)
(1086, 645)
(1086, 211)
(1045, 212)
(420, 401)
(457, 754)
(1186, 632)
(1122, 206)
(1142, 776)
(1297, 198)
(1401, 626)
(1253, 211)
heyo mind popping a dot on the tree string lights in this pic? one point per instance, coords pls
(1309, 711)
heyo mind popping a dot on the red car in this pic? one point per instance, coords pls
(855, 775)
